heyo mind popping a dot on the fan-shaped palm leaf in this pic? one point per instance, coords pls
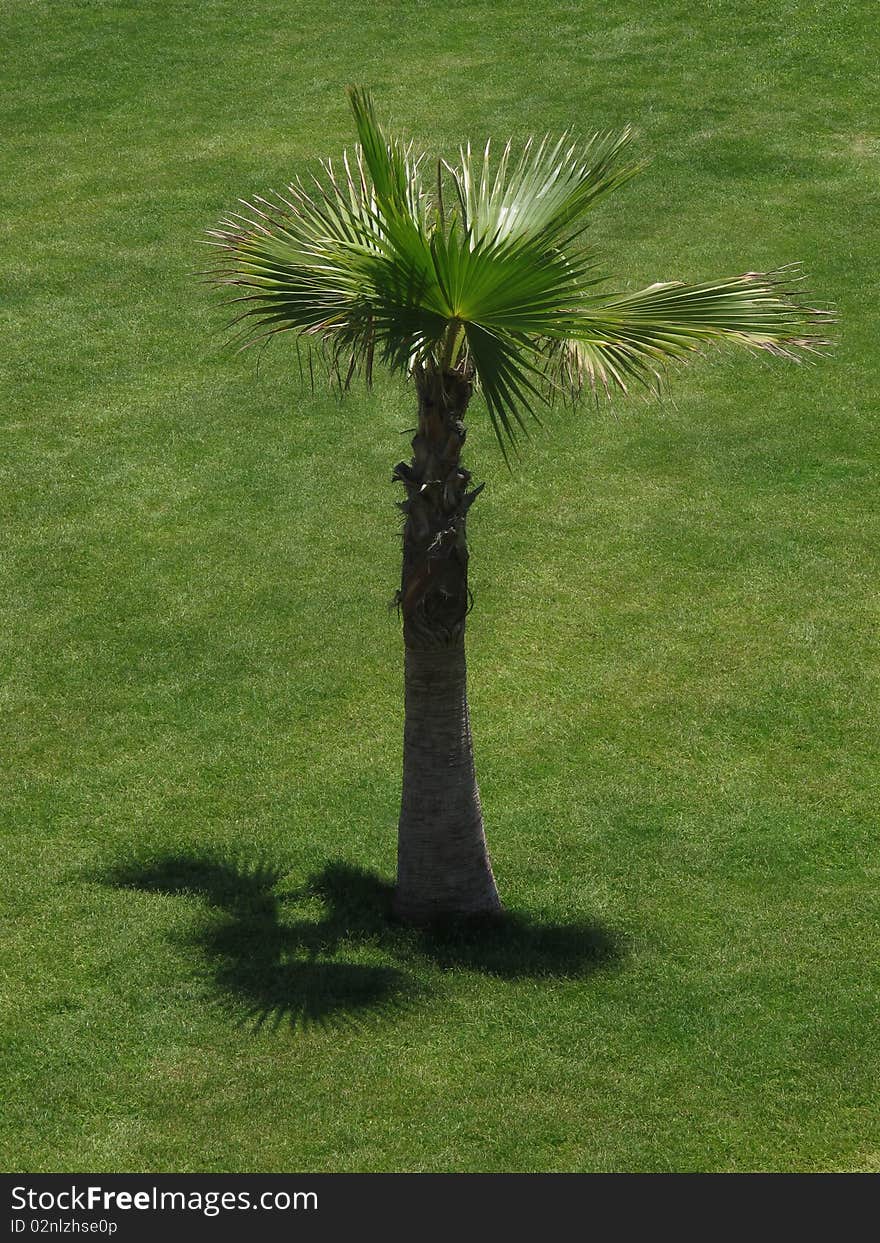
(501, 289)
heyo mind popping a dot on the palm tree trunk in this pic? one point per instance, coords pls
(442, 863)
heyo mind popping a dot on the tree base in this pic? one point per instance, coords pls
(407, 910)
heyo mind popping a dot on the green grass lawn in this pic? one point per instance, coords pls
(674, 650)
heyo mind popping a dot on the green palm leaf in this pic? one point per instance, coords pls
(631, 336)
(541, 197)
(366, 263)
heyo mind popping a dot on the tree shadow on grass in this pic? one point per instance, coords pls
(510, 945)
(300, 971)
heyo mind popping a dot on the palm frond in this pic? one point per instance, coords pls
(541, 198)
(364, 264)
(394, 168)
(631, 336)
(322, 262)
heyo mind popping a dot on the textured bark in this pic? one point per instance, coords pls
(442, 864)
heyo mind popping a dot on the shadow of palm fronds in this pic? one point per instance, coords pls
(278, 969)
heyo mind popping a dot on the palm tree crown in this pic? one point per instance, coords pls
(485, 273)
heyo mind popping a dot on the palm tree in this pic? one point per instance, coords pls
(474, 277)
